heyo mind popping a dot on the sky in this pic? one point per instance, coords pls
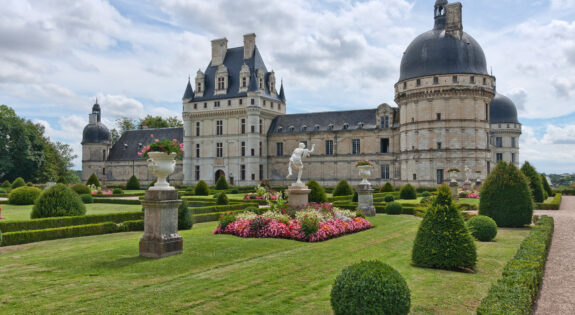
(58, 56)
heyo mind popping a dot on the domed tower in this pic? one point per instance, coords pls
(505, 130)
(96, 143)
(443, 94)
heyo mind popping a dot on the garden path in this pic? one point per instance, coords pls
(557, 294)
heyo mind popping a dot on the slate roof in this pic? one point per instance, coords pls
(127, 147)
(323, 120)
(96, 133)
(189, 93)
(233, 62)
(502, 110)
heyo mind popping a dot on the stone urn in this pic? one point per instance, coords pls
(453, 177)
(364, 173)
(162, 164)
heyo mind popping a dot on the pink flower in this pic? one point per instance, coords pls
(174, 140)
(139, 153)
(147, 148)
(152, 135)
(157, 140)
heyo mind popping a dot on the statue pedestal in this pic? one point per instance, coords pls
(365, 199)
(453, 186)
(161, 238)
(298, 196)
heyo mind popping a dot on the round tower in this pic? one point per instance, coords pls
(505, 130)
(96, 143)
(443, 94)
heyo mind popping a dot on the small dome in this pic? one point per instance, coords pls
(502, 110)
(96, 133)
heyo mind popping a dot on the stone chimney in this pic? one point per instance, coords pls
(92, 119)
(249, 45)
(454, 23)
(219, 49)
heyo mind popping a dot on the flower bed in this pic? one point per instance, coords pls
(314, 224)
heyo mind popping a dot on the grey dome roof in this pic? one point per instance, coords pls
(434, 52)
(96, 133)
(502, 110)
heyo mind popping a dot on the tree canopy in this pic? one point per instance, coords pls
(124, 124)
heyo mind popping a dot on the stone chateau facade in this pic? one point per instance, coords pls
(448, 115)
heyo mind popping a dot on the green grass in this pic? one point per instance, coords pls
(12, 212)
(469, 201)
(226, 274)
(230, 196)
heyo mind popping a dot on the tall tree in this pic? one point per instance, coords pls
(122, 125)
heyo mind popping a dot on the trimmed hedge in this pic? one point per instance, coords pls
(81, 189)
(518, 288)
(117, 201)
(24, 195)
(202, 189)
(342, 189)
(40, 224)
(31, 236)
(317, 193)
(133, 183)
(132, 225)
(201, 210)
(407, 192)
(554, 205)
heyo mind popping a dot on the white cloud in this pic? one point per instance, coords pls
(117, 106)
(559, 135)
(562, 4)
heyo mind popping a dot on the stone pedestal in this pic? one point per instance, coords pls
(365, 199)
(453, 186)
(298, 196)
(161, 238)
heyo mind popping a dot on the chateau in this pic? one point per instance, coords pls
(448, 115)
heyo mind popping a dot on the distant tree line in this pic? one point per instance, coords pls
(124, 124)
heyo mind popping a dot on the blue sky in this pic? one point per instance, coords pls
(56, 57)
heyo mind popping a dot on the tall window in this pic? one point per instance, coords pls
(279, 149)
(197, 150)
(513, 142)
(385, 171)
(221, 83)
(438, 116)
(513, 157)
(242, 172)
(499, 157)
(472, 80)
(253, 129)
(329, 147)
(253, 101)
(217, 104)
(261, 171)
(243, 148)
(243, 126)
(261, 126)
(197, 129)
(385, 122)
(499, 142)
(260, 148)
(199, 88)
(384, 145)
(219, 127)
(244, 82)
(355, 146)
(197, 172)
(253, 152)
(435, 80)
(438, 145)
(219, 149)
(440, 176)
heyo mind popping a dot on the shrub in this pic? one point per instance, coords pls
(87, 198)
(388, 198)
(93, 180)
(355, 197)
(222, 184)
(202, 189)
(133, 225)
(342, 189)
(6, 185)
(152, 184)
(546, 186)
(18, 182)
(117, 191)
(226, 219)
(370, 287)
(442, 240)
(81, 189)
(133, 183)
(506, 197)
(30, 184)
(24, 195)
(534, 182)
(58, 201)
(222, 199)
(3, 190)
(185, 219)
(407, 192)
(317, 193)
(62, 180)
(483, 228)
(393, 208)
(387, 188)
(257, 224)
(309, 225)
(24, 237)
(426, 194)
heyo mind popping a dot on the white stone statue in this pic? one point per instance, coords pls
(295, 161)
(467, 173)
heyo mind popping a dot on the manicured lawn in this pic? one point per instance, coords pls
(226, 274)
(230, 196)
(469, 201)
(11, 212)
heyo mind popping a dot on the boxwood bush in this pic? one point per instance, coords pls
(81, 189)
(93, 180)
(222, 199)
(506, 197)
(534, 182)
(342, 189)
(133, 183)
(483, 228)
(202, 189)
(388, 198)
(407, 192)
(222, 183)
(317, 193)
(387, 188)
(24, 237)
(58, 201)
(24, 195)
(117, 191)
(87, 198)
(393, 208)
(18, 182)
(185, 219)
(370, 287)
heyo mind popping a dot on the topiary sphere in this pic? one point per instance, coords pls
(483, 228)
(388, 198)
(202, 189)
(370, 287)
(393, 208)
(24, 195)
(87, 198)
(407, 192)
(317, 193)
(387, 188)
(342, 189)
(18, 182)
(222, 199)
(81, 189)
(58, 201)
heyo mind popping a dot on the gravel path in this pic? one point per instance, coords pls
(557, 294)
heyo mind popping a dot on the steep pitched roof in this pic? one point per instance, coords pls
(132, 141)
(282, 96)
(189, 91)
(323, 120)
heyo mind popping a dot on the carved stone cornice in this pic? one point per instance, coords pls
(443, 92)
(214, 114)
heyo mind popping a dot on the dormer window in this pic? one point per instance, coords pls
(261, 84)
(345, 126)
(279, 129)
(435, 80)
(291, 128)
(418, 82)
(200, 83)
(221, 80)
(221, 83)
(330, 127)
(385, 122)
(316, 128)
(272, 83)
(304, 128)
(199, 88)
(245, 78)
(360, 125)
(244, 82)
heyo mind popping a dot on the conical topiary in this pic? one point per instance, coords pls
(202, 189)
(222, 183)
(407, 192)
(18, 182)
(534, 181)
(546, 186)
(342, 189)
(133, 183)
(317, 193)
(93, 180)
(6, 185)
(387, 188)
(443, 241)
(506, 197)
(222, 199)
(185, 219)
